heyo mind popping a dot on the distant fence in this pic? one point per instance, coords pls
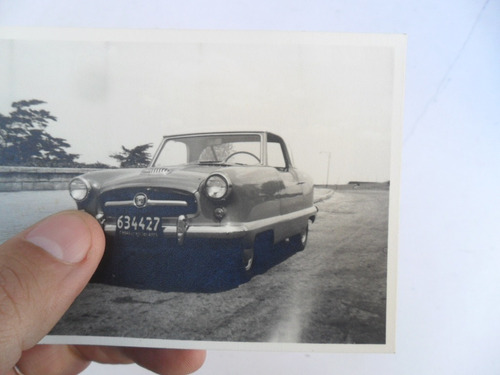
(34, 178)
(37, 178)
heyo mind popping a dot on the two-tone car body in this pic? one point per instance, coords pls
(225, 185)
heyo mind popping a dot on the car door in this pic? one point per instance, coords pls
(291, 194)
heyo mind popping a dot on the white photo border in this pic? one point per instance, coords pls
(395, 41)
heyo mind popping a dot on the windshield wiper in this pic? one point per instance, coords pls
(213, 162)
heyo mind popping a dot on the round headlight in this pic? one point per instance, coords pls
(217, 187)
(79, 189)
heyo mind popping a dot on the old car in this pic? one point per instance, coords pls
(218, 186)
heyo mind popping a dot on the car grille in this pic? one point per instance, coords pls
(160, 202)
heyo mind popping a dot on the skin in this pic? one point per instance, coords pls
(42, 271)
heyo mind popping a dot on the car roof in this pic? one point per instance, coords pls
(269, 134)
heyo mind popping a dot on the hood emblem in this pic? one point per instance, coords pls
(140, 200)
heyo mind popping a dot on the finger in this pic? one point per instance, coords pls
(42, 270)
(160, 361)
(67, 359)
(167, 361)
(64, 359)
(53, 360)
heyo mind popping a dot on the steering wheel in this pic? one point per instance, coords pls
(241, 152)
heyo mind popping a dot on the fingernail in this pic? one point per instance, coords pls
(64, 236)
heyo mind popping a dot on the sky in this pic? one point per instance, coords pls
(330, 96)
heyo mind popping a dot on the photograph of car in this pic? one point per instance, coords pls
(223, 185)
(246, 183)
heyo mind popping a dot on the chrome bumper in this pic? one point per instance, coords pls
(227, 231)
(183, 228)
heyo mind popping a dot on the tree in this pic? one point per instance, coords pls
(96, 165)
(136, 157)
(24, 140)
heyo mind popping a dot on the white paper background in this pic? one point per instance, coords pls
(449, 257)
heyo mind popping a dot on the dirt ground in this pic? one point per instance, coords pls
(332, 292)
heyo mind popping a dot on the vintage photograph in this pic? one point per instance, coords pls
(247, 182)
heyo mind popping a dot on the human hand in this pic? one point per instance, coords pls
(42, 271)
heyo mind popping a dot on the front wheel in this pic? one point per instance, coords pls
(248, 259)
(299, 241)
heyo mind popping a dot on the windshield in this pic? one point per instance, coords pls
(244, 149)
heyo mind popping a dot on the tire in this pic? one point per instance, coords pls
(248, 259)
(257, 256)
(299, 241)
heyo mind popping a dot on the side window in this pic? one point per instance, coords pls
(275, 157)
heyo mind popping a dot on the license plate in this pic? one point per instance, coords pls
(139, 225)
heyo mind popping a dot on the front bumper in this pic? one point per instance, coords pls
(182, 228)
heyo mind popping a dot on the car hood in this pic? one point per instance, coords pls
(187, 178)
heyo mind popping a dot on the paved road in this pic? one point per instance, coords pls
(332, 292)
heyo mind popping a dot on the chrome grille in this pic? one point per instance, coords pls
(160, 202)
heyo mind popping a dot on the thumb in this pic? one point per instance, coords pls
(42, 270)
